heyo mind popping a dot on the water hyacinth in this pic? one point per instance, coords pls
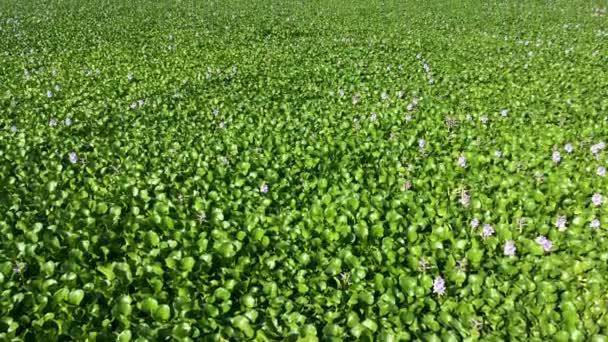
(49, 93)
(140, 103)
(474, 223)
(400, 94)
(484, 119)
(355, 99)
(568, 147)
(374, 117)
(73, 158)
(600, 171)
(52, 122)
(415, 101)
(465, 199)
(134, 105)
(498, 153)
(130, 76)
(597, 148)
(13, 129)
(222, 125)
(341, 93)
(384, 96)
(487, 231)
(439, 286)
(264, 188)
(556, 156)
(595, 223)
(57, 88)
(67, 122)
(408, 117)
(421, 143)
(510, 249)
(504, 113)
(597, 199)
(462, 161)
(469, 117)
(545, 243)
(561, 223)
(216, 111)
(410, 107)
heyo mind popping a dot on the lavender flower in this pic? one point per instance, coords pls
(484, 119)
(568, 148)
(462, 161)
(561, 222)
(439, 286)
(264, 188)
(597, 148)
(465, 199)
(52, 122)
(597, 199)
(488, 231)
(474, 223)
(67, 122)
(510, 249)
(13, 129)
(545, 243)
(498, 153)
(49, 93)
(73, 157)
(504, 113)
(601, 171)
(595, 224)
(421, 143)
(556, 157)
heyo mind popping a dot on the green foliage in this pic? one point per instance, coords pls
(253, 170)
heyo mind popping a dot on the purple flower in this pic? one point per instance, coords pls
(49, 93)
(439, 286)
(510, 249)
(597, 199)
(504, 113)
(568, 147)
(545, 243)
(474, 223)
(465, 199)
(462, 161)
(264, 188)
(597, 148)
(488, 231)
(556, 157)
(561, 222)
(498, 153)
(601, 171)
(52, 122)
(595, 224)
(484, 119)
(67, 122)
(13, 129)
(73, 157)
